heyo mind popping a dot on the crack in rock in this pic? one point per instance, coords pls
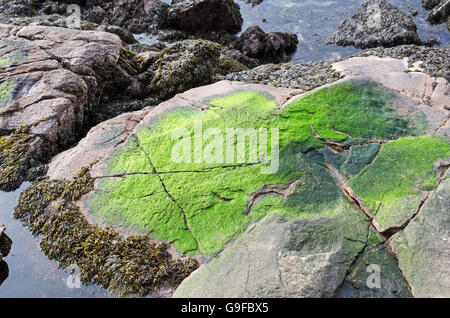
(284, 191)
(155, 171)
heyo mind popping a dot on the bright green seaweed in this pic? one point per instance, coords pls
(6, 91)
(392, 184)
(200, 211)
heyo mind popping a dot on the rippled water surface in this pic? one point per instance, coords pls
(32, 274)
(314, 21)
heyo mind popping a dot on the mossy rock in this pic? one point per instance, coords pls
(182, 65)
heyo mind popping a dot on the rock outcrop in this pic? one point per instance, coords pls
(378, 23)
(278, 258)
(439, 10)
(181, 66)
(272, 47)
(134, 16)
(351, 178)
(51, 80)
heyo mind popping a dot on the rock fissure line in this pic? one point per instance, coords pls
(342, 182)
(337, 147)
(355, 260)
(206, 170)
(333, 145)
(155, 171)
(283, 191)
(394, 229)
(443, 124)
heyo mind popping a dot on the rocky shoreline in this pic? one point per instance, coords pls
(72, 98)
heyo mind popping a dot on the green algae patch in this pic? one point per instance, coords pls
(392, 185)
(203, 201)
(131, 265)
(6, 91)
(12, 52)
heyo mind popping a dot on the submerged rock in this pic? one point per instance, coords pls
(270, 47)
(205, 15)
(5, 242)
(378, 23)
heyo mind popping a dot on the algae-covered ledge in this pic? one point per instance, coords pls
(340, 133)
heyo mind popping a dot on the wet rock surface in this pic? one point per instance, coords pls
(265, 47)
(378, 23)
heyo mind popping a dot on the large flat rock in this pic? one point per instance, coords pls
(362, 152)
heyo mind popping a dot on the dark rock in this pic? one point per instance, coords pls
(431, 41)
(378, 23)
(181, 66)
(253, 2)
(439, 10)
(241, 58)
(266, 47)
(228, 65)
(17, 7)
(5, 242)
(136, 15)
(205, 15)
(4, 272)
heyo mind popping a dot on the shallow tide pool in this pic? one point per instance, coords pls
(31, 273)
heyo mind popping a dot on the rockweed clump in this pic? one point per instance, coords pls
(128, 266)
